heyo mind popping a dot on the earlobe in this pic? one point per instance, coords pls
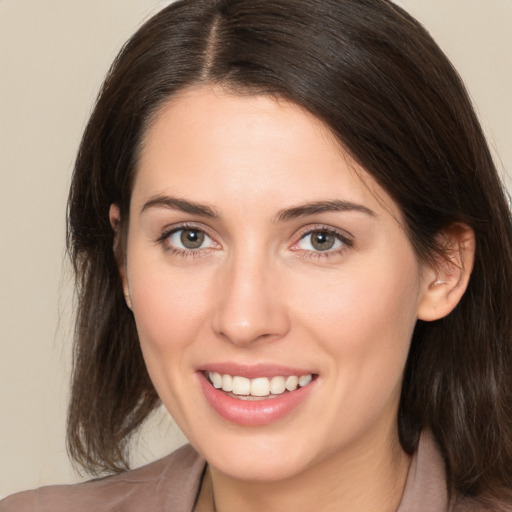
(115, 221)
(447, 279)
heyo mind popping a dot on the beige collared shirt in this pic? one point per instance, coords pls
(172, 484)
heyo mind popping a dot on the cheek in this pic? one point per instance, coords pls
(364, 327)
(170, 309)
(363, 320)
(170, 306)
(355, 305)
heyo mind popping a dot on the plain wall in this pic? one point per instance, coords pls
(53, 56)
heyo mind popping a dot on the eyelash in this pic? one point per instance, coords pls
(343, 237)
(182, 253)
(346, 241)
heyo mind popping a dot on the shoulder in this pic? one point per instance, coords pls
(468, 504)
(170, 483)
(426, 488)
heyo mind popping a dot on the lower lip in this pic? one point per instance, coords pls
(252, 412)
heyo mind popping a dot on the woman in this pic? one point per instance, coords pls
(286, 226)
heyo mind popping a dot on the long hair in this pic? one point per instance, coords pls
(376, 78)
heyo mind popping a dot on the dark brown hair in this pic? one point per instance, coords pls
(388, 93)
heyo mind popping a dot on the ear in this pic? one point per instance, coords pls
(114, 215)
(446, 280)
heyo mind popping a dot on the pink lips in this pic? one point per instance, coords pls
(252, 412)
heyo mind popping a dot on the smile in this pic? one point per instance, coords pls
(260, 387)
(252, 400)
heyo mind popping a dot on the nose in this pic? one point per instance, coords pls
(249, 305)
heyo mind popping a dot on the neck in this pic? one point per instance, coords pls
(368, 480)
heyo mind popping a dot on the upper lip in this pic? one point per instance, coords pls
(255, 370)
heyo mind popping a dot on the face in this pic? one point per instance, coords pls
(274, 289)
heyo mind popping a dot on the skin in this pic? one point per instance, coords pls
(258, 291)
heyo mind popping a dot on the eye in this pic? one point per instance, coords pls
(321, 240)
(189, 239)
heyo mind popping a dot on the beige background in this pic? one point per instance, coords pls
(53, 55)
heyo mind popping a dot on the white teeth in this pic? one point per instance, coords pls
(259, 387)
(277, 385)
(241, 386)
(227, 382)
(304, 380)
(292, 382)
(216, 379)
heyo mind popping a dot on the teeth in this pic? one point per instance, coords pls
(277, 385)
(304, 380)
(292, 382)
(216, 379)
(259, 387)
(227, 382)
(241, 386)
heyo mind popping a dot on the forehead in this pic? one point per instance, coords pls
(217, 145)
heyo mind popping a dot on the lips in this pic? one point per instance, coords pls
(253, 396)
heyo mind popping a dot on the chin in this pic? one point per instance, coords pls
(258, 456)
(257, 468)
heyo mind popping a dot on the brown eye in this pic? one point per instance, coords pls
(192, 238)
(188, 240)
(322, 240)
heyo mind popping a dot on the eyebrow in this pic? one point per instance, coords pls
(321, 207)
(175, 203)
(184, 205)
